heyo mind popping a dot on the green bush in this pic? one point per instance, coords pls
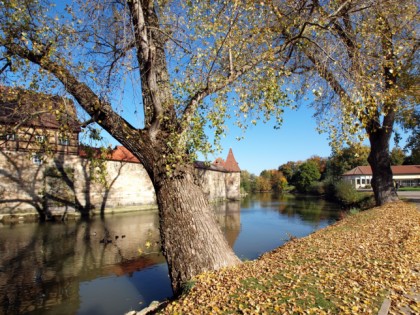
(346, 194)
(317, 188)
(343, 192)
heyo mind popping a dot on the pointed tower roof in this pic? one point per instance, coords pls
(230, 164)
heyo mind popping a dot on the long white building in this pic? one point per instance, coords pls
(404, 175)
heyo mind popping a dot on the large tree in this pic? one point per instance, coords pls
(356, 57)
(187, 60)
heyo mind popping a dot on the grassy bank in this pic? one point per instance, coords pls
(409, 189)
(347, 268)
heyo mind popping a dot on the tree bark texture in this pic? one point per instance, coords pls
(380, 162)
(192, 240)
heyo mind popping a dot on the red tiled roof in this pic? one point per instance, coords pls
(396, 170)
(405, 169)
(359, 170)
(85, 152)
(120, 153)
(208, 166)
(219, 162)
(230, 164)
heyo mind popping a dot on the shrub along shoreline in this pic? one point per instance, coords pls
(349, 268)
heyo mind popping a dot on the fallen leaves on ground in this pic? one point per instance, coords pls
(347, 268)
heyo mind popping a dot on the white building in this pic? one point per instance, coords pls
(404, 175)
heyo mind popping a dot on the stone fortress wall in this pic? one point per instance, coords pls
(64, 183)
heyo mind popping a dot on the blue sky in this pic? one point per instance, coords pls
(267, 148)
(263, 147)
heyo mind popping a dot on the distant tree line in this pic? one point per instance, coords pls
(307, 176)
(267, 181)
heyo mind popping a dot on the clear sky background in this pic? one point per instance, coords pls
(262, 148)
(267, 148)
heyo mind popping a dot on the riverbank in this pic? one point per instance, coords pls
(351, 267)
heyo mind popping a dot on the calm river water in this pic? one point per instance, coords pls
(113, 265)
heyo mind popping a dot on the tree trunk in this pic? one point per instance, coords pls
(380, 162)
(192, 241)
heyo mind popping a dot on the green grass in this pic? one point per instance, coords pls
(409, 189)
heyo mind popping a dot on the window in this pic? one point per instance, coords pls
(10, 137)
(363, 181)
(40, 139)
(63, 141)
(358, 181)
(37, 159)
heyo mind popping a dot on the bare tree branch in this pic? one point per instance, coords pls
(101, 112)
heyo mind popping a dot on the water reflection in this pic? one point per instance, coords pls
(43, 265)
(269, 220)
(112, 265)
(228, 214)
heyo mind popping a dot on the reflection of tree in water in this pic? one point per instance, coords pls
(28, 275)
(309, 208)
(266, 199)
(43, 265)
(246, 202)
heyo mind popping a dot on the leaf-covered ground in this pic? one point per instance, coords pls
(347, 268)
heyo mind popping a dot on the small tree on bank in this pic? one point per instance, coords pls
(193, 63)
(307, 173)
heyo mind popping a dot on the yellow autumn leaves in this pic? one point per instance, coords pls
(347, 268)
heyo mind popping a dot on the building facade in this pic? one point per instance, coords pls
(37, 123)
(403, 175)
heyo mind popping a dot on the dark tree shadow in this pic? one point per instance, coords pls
(51, 189)
(17, 175)
(107, 189)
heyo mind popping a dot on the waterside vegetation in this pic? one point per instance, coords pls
(322, 176)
